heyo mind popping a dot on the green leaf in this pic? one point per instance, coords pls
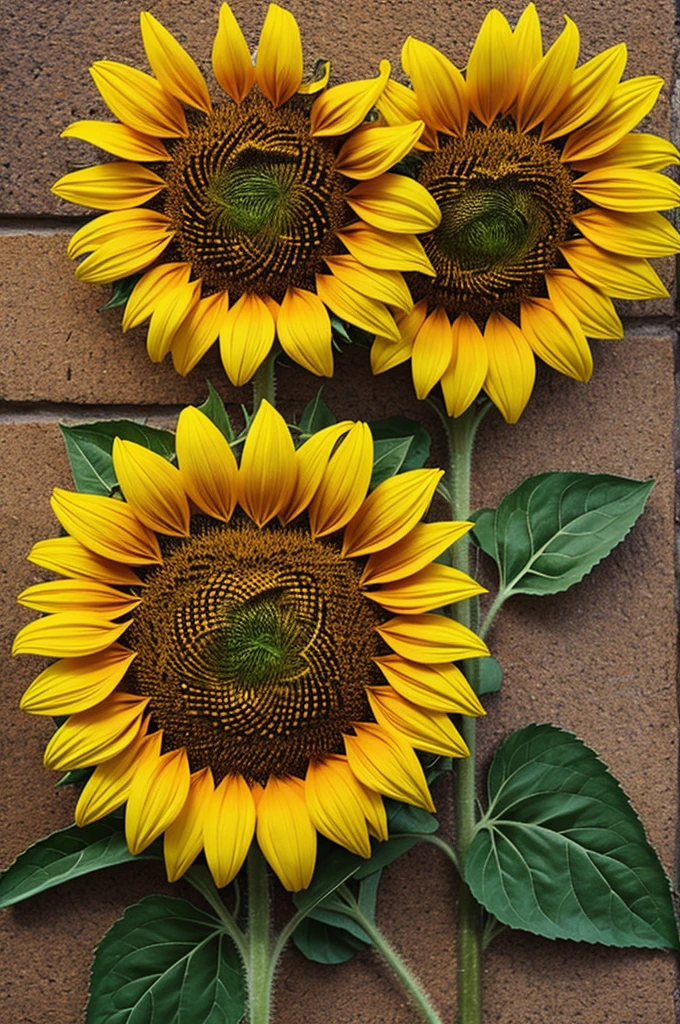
(66, 855)
(339, 327)
(121, 292)
(166, 961)
(325, 944)
(315, 416)
(214, 409)
(550, 532)
(389, 456)
(489, 674)
(397, 428)
(89, 449)
(561, 852)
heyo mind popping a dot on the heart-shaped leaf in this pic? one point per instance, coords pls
(561, 852)
(166, 961)
(550, 532)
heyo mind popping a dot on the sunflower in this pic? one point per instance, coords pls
(549, 207)
(282, 661)
(252, 217)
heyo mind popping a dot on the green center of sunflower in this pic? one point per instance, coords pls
(255, 647)
(254, 200)
(506, 204)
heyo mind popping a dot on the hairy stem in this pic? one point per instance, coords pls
(461, 434)
(259, 967)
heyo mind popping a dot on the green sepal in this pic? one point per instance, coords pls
(488, 673)
(550, 532)
(166, 961)
(561, 852)
(121, 292)
(89, 447)
(215, 409)
(67, 854)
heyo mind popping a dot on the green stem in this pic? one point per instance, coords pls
(201, 879)
(263, 382)
(493, 611)
(461, 435)
(392, 958)
(259, 966)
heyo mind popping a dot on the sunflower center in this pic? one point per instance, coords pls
(506, 203)
(255, 647)
(254, 200)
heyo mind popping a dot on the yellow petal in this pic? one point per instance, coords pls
(512, 368)
(620, 277)
(246, 336)
(344, 483)
(76, 684)
(591, 87)
(491, 75)
(336, 805)
(198, 331)
(394, 202)
(312, 460)
(78, 596)
(638, 149)
(96, 735)
(386, 286)
(228, 828)
(385, 353)
(424, 543)
(152, 487)
(231, 61)
(594, 311)
(183, 840)
(268, 467)
(557, 339)
(323, 71)
(390, 511)
(157, 795)
(440, 687)
(285, 832)
(469, 366)
(151, 289)
(439, 87)
(549, 80)
(106, 526)
(350, 304)
(109, 785)
(207, 465)
(67, 635)
(138, 100)
(424, 729)
(631, 234)
(172, 65)
(120, 224)
(432, 351)
(373, 149)
(528, 44)
(385, 250)
(629, 190)
(118, 139)
(304, 330)
(374, 810)
(383, 761)
(343, 107)
(69, 557)
(279, 56)
(629, 103)
(434, 586)
(123, 256)
(431, 639)
(114, 186)
(398, 105)
(168, 316)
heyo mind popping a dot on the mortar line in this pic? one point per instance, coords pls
(53, 412)
(11, 225)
